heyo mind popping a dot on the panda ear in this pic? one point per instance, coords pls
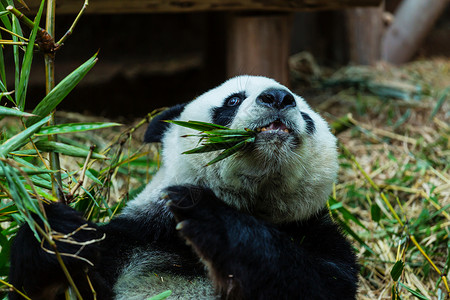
(157, 126)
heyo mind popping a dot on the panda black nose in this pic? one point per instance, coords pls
(278, 99)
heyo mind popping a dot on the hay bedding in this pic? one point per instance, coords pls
(406, 152)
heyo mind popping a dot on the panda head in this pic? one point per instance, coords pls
(285, 175)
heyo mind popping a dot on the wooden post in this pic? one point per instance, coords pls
(413, 20)
(365, 29)
(259, 44)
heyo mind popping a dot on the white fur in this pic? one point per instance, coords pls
(274, 181)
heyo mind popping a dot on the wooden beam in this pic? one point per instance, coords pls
(365, 28)
(179, 6)
(259, 45)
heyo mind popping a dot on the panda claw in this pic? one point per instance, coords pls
(181, 225)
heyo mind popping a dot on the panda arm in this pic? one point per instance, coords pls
(251, 259)
(38, 273)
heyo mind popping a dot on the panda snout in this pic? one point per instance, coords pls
(276, 98)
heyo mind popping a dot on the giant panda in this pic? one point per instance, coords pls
(252, 226)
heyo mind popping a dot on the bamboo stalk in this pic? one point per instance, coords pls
(14, 289)
(49, 85)
(75, 22)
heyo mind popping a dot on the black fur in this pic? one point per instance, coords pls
(251, 259)
(224, 115)
(39, 275)
(310, 127)
(158, 127)
(247, 258)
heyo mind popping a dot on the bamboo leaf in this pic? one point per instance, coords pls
(21, 198)
(6, 111)
(415, 293)
(354, 235)
(49, 103)
(161, 296)
(397, 270)
(197, 125)
(208, 148)
(31, 171)
(50, 146)
(27, 59)
(73, 127)
(3, 13)
(17, 140)
(230, 151)
(375, 212)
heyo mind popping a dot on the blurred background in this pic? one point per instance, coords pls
(154, 54)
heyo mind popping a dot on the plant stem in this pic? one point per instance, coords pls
(14, 34)
(49, 85)
(14, 289)
(8, 42)
(21, 16)
(69, 32)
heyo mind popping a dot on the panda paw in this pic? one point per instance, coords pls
(197, 212)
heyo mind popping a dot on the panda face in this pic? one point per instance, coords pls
(285, 175)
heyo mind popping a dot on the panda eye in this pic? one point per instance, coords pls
(233, 101)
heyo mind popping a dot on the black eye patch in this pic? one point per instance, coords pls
(225, 114)
(310, 127)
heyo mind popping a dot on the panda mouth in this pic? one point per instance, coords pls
(276, 126)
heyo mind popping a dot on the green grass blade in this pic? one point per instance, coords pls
(440, 102)
(6, 111)
(21, 90)
(73, 127)
(353, 234)
(50, 146)
(49, 103)
(16, 141)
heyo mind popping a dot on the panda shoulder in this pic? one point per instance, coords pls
(157, 127)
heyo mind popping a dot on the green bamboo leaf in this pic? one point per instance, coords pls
(209, 148)
(6, 111)
(17, 30)
(50, 146)
(197, 125)
(230, 151)
(161, 296)
(13, 143)
(21, 198)
(49, 103)
(2, 66)
(234, 132)
(5, 90)
(353, 234)
(375, 212)
(31, 171)
(397, 270)
(5, 20)
(415, 293)
(21, 90)
(73, 127)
